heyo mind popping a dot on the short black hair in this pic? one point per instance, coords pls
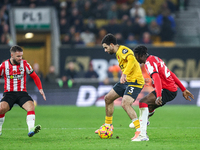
(140, 50)
(108, 39)
(16, 48)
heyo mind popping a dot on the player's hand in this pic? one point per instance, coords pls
(158, 101)
(147, 81)
(42, 93)
(187, 95)
(123, 79)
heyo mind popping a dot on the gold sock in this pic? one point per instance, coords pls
(136, 124)
(108, 120)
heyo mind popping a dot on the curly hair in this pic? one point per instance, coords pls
(140, 50)
(108, 39)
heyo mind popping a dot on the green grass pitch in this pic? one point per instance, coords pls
(174, 127)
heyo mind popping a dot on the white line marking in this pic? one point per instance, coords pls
(96, 128)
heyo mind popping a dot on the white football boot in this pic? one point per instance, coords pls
(140, 138)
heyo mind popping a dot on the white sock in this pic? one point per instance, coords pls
(1, 123)
(30, 120)
(144, 111)
(107, 124)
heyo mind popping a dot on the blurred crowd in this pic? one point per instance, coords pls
(85, 22)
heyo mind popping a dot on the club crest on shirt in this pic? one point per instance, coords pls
(124, 51)
(21, 69)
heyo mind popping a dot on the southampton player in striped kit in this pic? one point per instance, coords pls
(165, 83)
(14, 72)
(130, 84)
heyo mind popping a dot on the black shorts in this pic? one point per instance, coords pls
(166, 96)
(128, 88)
(19, 98)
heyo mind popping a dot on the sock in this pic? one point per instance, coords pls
(30, 119)
(2, 118)
(136, 123)
(144, 111)
(108, 120)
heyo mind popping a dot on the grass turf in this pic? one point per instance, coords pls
(72, 128)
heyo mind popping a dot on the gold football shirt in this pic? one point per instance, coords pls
(129, 65)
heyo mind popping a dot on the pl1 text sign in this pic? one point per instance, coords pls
(32, 18)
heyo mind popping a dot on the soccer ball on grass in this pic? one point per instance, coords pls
(105, 132)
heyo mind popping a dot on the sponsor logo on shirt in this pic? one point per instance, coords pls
(16, 76)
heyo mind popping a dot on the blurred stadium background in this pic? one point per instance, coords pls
(61, 40)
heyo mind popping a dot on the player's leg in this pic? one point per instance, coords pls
(109, 107)
(144, 111)
(167, 96)
(6, 104)
(116, 92)
(26, 102)
(146, 103)
(149, 102)
(4, 107)
(129, 97)
(127, 106)
(30, 118)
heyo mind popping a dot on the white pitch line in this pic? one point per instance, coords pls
(96, 128)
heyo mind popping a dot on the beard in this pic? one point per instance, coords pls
(111, 52)
(15, 62)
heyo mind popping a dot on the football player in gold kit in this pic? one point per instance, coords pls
(130, 84)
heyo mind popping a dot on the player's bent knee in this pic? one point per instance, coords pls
(107, 100)
(3, 110)
(4, 107)
(29, 106)
(125, 104)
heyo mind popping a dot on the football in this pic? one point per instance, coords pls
(105, 132)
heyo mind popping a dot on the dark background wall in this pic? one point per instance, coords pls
(183, 61)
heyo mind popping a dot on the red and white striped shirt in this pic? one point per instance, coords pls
(156, 65)
(15, 75)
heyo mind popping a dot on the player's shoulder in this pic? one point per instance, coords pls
(3, 63)
(125, 50)
(153, 58)
(24, 62)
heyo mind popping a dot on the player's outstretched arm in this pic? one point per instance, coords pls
(178, 82)
(38, 83)
(42, 93)
(187, 95)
